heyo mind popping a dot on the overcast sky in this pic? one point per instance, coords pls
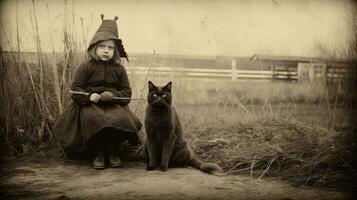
(203, 27)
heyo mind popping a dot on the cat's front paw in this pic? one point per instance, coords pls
(150, 168)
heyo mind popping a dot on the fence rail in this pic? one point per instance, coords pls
(228, 74)
(310, 72)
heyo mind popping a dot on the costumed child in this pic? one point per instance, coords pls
(95, 121)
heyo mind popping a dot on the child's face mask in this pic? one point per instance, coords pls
(105, 50)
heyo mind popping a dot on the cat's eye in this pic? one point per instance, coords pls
(163, 96)
(154, 95)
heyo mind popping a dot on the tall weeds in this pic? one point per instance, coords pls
(34, 94)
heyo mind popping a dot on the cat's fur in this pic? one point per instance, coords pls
(165, 144)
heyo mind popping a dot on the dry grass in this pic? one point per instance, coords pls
(275, 144)
(301, 131)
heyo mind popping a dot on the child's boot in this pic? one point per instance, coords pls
(99, 161)
(114, 160)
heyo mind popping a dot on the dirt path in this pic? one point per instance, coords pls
(59, 179)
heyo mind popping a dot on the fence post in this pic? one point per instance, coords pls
(312, 72)
(234, 69)
(303, 71)
(324, 72)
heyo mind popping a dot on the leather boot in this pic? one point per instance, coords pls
(99, 161)
(114, 160)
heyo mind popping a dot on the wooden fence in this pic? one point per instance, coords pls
(302, 72)
(234, 69)
(330, 72)
(227, 74)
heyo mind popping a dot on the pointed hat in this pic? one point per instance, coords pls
(106, 31)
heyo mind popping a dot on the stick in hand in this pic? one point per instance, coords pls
(117, 98)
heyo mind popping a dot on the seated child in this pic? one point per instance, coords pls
(95, 121)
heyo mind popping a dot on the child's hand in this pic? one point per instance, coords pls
(94, 97)
(106, 96)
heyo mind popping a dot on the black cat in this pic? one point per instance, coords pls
(165, 145)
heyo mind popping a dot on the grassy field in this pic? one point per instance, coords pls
(299, 131)
(302, 132)
(290, 142)
(296, 131)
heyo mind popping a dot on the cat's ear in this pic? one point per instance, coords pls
(151, 86)
(168, 86)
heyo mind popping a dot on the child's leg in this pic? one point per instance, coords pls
(98, 145)
(114, 141)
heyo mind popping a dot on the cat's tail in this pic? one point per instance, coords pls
(210, 168)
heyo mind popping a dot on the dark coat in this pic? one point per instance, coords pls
(82, 119)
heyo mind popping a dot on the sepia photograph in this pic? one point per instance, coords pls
(178, 99)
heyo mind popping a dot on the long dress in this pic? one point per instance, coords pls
(82, 119)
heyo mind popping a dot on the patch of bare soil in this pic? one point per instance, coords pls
(62, 179)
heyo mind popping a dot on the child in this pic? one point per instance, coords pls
(96, 122)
